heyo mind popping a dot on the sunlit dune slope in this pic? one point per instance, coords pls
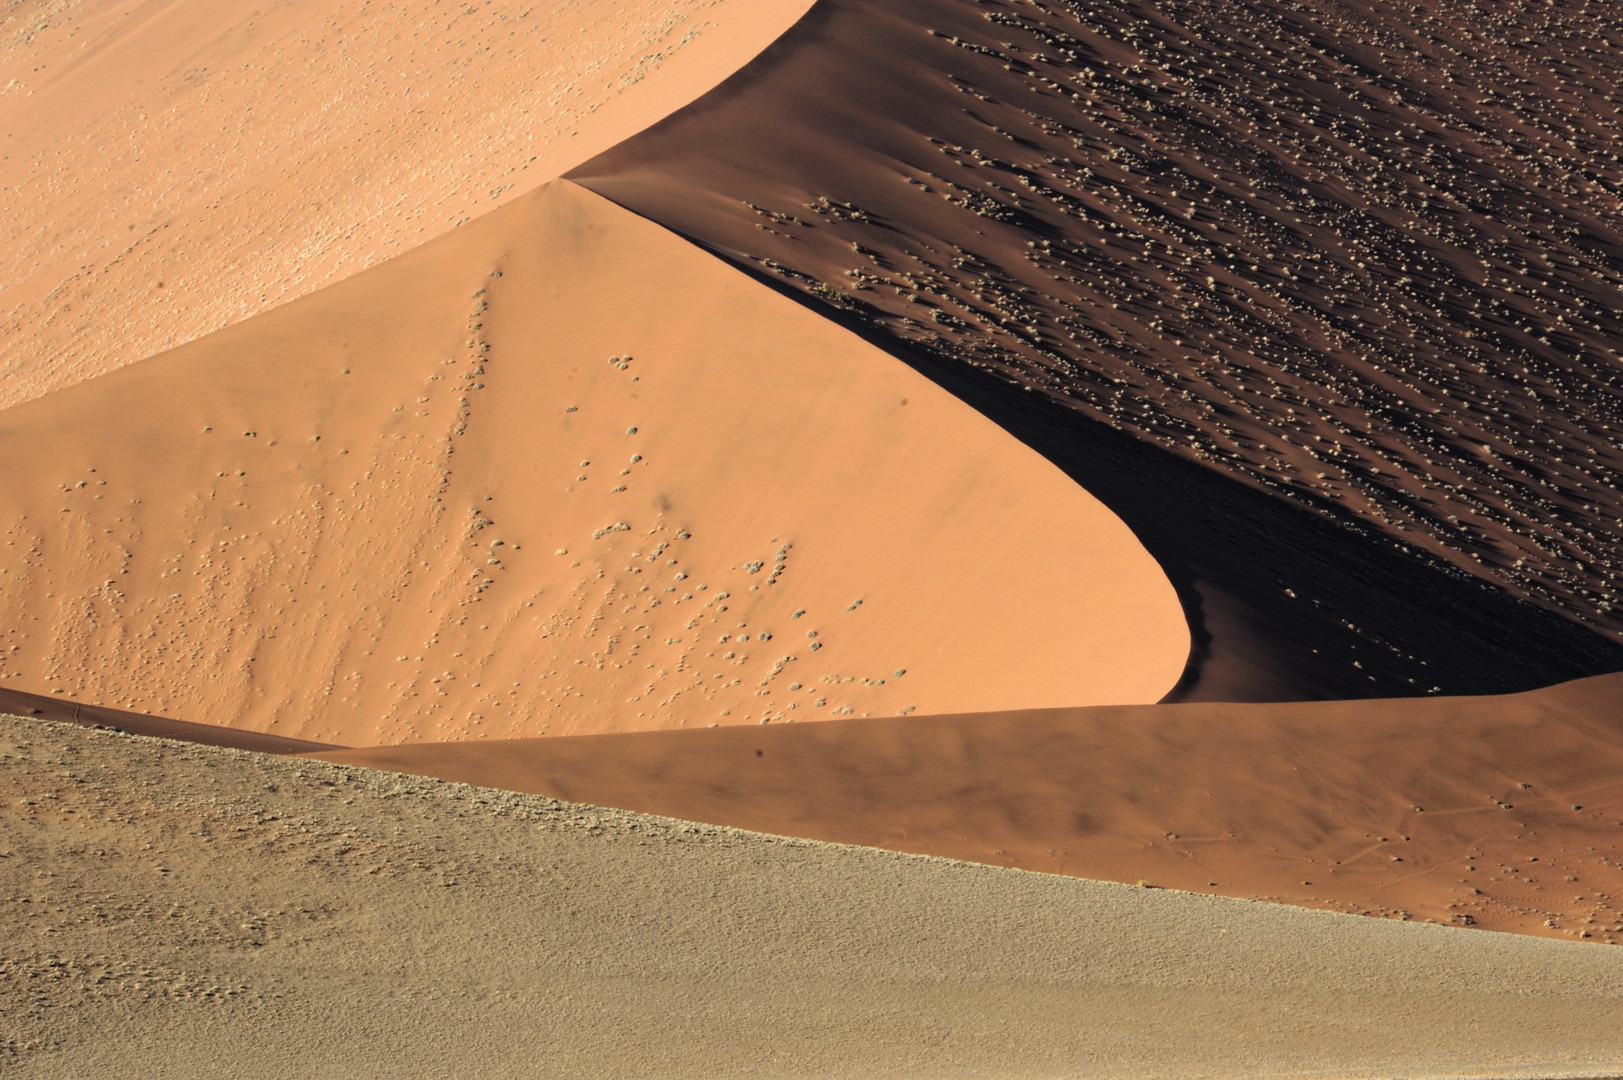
(557, 472)
(168, 168)
(1361, 259)
(1499, 812)
(211, 913)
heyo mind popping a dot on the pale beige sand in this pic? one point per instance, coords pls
(172, 910)
(168, 168)
(1498, 812)
(556, 472)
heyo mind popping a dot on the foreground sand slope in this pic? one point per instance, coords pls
(184, 911)
(172, 167)
(1360, 257)
(557, 472)
(1501, 812)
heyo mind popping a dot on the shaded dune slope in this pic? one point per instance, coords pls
(1286, 605)
(211, 912)
(65, 711)
(172, 167)
(1356, 259)
(556, 472)
(1498, 812)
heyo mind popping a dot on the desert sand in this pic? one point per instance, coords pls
(1495, 812)
(1060, 407)
(1360, 259)
(192, 911)
(61, 710)
(556, 472)
(170, 168)
(1504, 813)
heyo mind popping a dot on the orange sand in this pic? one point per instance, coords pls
(557, 472)
(1363, 258)
(1499, 812)
(168, 168)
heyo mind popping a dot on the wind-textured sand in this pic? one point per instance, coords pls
(1498, 812)
(189, 911)
(169, 168)
(1058, 358)
(1360, 260)
(556, 472)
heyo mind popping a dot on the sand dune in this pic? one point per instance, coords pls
(1359, 258)
(557, 472)
(170, 168)
(187, 911)
(1504, 813)
(1059, 361)
(64, 711)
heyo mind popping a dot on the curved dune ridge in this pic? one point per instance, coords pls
(970, 377)
(1309, 261)
(171, 168)
(1504, 813)
(557, 472)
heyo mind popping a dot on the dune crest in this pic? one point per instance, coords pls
(1312, 262)
(557, 472)
(170, 168)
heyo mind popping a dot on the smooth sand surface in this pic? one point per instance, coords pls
(1498, 812)
(168, 168)
(557, 472)
(1360, 258)
(172, 910)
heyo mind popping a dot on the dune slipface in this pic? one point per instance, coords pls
(171, 168)
(557, 472)
(1316, 276)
